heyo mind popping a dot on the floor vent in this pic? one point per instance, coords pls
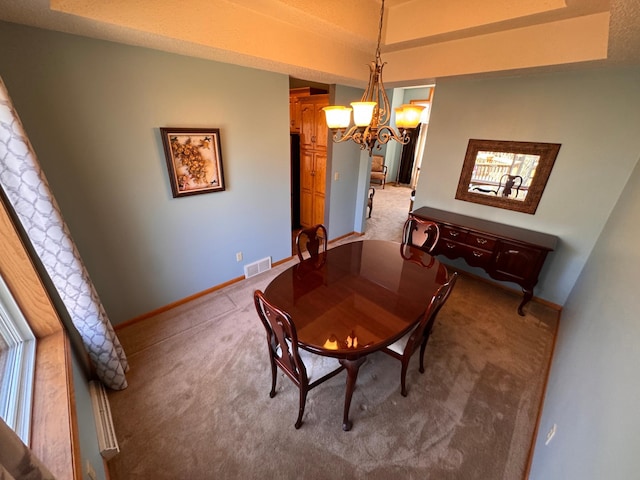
(104, 423)
(253, 269)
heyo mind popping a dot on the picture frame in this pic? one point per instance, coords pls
(194, 160)
(506, 174)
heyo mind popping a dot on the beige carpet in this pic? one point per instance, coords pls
(390, 210)
(198, 404)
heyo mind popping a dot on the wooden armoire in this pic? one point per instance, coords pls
(308, 119)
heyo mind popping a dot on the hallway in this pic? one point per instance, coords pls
(390, 210)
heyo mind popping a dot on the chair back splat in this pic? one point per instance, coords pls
(312, 240)
(407, 345)
(282, 343)
(423, 234)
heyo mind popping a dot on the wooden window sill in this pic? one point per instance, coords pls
(54, 423)
(54, 430)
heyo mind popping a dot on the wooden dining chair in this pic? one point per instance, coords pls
(423, 234)
(312, 240)
(306, 370)
(404, 348)
(417, 256)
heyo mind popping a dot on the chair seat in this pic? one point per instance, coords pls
(399, 345)
(317, 365)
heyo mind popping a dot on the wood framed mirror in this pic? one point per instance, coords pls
(505, 174)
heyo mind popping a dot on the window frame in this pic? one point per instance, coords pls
(16, 388)
(54, 424)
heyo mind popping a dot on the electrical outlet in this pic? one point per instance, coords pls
(550, 434)
(239, 257)
(91, 473)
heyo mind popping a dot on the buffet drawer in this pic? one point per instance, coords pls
(476, 257)
(449, 248)
(457, 234)
(484, 242)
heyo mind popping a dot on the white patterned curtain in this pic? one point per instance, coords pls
(27, 189)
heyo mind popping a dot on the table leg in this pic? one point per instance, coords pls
(352, 367)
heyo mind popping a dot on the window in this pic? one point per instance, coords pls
(54, 436)
(17, 360)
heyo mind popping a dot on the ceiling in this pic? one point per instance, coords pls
(332, 41)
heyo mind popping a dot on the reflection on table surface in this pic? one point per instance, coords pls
(357, 297)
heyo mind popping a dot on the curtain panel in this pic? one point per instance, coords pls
(27, 189)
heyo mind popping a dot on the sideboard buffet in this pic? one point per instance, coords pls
(505, 252)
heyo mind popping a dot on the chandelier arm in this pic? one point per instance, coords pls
(340, 136)
(384, 107)
(387, 133)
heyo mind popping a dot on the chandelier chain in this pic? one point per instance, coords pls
(380, 30)
(377, 132)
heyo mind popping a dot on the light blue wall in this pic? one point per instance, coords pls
(353, 179)
(92, 110)
(345, 161)
(595, 115)
(593, 391)
(88, 437)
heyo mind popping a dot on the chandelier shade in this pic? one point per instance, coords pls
(337, 116)
(371, 114)
(408, 116)
(363, 113)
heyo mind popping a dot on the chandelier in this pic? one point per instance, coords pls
(372, 113)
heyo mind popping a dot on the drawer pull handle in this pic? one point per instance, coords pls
(451, 245)
(454, 234)
(477, 254)
(481, 241)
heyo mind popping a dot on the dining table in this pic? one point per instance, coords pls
(355, 299)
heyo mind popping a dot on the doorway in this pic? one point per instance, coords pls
(412, 153)
(308, 153)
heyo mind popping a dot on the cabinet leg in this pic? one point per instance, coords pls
(528, 295)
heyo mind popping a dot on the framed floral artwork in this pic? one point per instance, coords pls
(194, 160)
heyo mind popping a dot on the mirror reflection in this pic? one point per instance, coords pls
(503, 174)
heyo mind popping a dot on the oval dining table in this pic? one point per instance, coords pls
(355, 299)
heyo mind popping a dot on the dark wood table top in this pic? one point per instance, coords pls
(358, 297)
